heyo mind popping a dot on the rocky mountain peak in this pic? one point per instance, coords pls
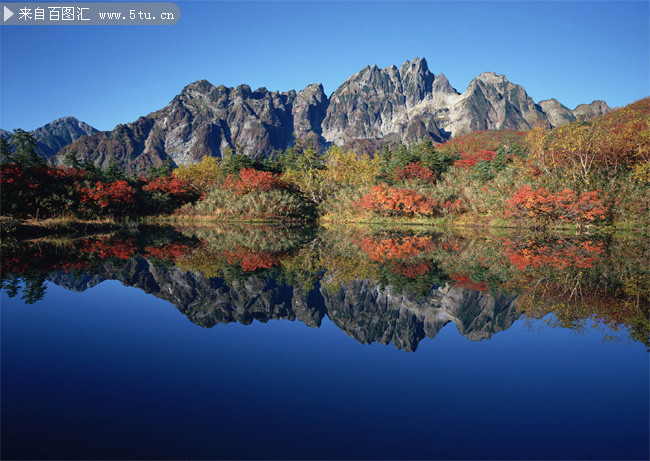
(597, 105)
(551, 103)
(416, 65)
(60, 132)
(374, 105)
(557, 113)
(492, 77)
(587, 111)
(242, 91)
(200, 86)
(441, 85)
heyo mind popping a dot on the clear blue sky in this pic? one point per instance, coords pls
(573, 51)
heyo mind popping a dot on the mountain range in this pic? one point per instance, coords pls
(51, 138)
(408, 104)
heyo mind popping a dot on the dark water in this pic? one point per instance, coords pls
(264, 342)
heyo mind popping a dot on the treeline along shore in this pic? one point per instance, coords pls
(582, 174)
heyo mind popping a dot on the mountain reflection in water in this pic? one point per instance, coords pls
(376, 286)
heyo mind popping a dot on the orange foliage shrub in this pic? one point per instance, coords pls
(121, 249)
(451, 207)
(250, 180)
(251, 260)
(387, 200)
(169, 185)
(486, 140)
(412, 270)
(567, 205)
(470, 159)
(108, 194)
(415, 171)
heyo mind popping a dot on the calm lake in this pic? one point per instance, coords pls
(268, 342)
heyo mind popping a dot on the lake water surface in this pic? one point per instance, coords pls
(264, 342)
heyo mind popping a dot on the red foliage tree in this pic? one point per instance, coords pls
(11, 174)
(251, 260)
(113, 248)
(169, 252)
(412, 270)
(451, 207)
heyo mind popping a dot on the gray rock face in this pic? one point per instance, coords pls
(362, 309)
(309, 110)
(375, 103)
(207, 120)
(51, 138)
(557, 113)
(491, 102)
(586, 111)
(413, 104)
(409, 104)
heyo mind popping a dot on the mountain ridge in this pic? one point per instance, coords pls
(374, 105)
(53, 136)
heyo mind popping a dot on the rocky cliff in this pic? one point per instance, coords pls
(586, 111)
(375, 105)
(208, 120)
(559, 114)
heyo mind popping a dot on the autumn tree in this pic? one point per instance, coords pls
(347, 169)
(204, 175)
(603, 147)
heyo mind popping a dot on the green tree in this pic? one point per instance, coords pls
(71, 160)
(113, 173)
(5, 150)
(234, 163)
(161, 171)
(302, 164)
(25, 149)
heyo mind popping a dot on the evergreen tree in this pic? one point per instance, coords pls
(5, 150)
(71, 160)
(113, 173)
(161, 171)
(25, 149)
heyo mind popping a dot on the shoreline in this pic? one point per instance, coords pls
(11, 227)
